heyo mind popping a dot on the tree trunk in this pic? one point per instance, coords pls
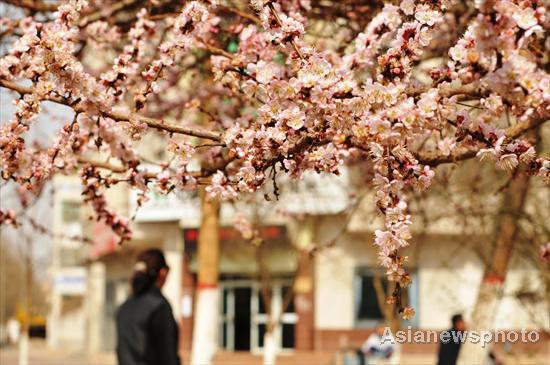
(389, 311)
(391, 317)
(273, 311)
(490, 290)
(270, 345)
(206, 326)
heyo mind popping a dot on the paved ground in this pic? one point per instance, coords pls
(40, 354)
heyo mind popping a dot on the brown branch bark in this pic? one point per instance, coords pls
(218, 51)
(122, 117)
(35, 5)
(100, 13)
(389, 311)
(119, 169)
(242, 14)
(464, 153)
(280, 23)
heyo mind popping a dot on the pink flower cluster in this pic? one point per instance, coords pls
(271, 98)
(92, 182)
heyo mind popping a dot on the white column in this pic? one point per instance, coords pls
(205, 335)
(95, 307)
(52, 326)
(272, 340)
(173, 252)
(23, 348)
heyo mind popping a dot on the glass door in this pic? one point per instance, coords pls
(284, 333)
(227, 330)
(288, 320)
(235, 333)
(244, 317)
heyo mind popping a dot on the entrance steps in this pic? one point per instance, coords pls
(296, 357)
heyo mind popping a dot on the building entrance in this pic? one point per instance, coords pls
(244, 317)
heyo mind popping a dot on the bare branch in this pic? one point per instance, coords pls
(34, 5)
(123, 117)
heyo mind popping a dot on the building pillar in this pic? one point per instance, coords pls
(206, 325)
(52, 325)
(173, 251)
(304, 232)
(187, 303)
(95, 307)
(303, 302)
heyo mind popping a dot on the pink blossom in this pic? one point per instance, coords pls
(293, 117)
(263, 71)
(428, 103)
(244, 226)
(407, 313)
(525, 18)
(425, 15)
(446, 146)
(407, 6)
(507, 162)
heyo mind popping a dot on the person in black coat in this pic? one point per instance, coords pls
(448, 350)
(146, 330)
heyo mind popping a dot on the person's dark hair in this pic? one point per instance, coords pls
(146, 270)
(456, 318)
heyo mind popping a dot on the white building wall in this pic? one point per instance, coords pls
(449, 274)
(514, 312)
(334, 270)
(449, 277)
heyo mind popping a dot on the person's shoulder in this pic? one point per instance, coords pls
(164, 302)
(140, 305)
(140, 301)
(154, 299)
(123, 309)
(125, 304)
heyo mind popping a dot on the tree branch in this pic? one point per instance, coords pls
(100, 14)
(119, 169)
(122, 117)
(35, 5)
(241, 13)
(464, 153)
(280, 23)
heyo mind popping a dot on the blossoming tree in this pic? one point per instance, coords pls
(251, 91)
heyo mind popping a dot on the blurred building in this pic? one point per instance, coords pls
(335, 299)
(67, 318)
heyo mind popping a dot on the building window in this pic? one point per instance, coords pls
(70, 256)
(70, 211)
(368, 308)
(71, 303)
(371, 290)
